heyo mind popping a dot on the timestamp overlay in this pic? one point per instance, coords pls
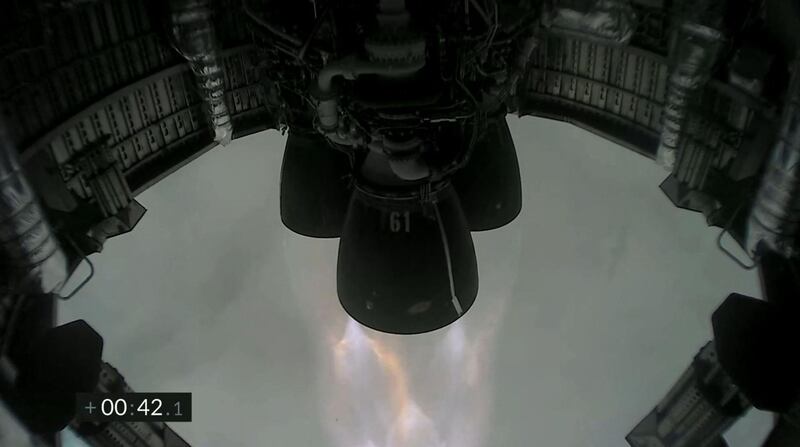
(134, 407)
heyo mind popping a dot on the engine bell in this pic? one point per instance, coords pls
(406, 265)
(314, 186)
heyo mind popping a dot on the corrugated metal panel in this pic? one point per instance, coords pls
(85, 58)
(621, 82)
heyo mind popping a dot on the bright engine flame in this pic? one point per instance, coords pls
(380, 390)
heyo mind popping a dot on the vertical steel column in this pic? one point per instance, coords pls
(196, 41)
(693, 58)
(30, 254)
(775, 215)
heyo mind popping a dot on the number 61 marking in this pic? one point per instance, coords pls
(395, 223)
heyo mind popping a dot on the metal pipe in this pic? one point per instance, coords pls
(522, 60)
(404, 157)
(775, 214)
(400, 58)
(350, 68)
(693, 59)
(605, 21)
(29, 251)
(194, 31)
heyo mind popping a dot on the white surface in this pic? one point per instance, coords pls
(591, 304)
(11, 431)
